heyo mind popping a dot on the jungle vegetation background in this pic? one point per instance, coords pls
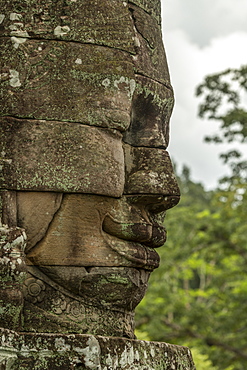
(198, 296)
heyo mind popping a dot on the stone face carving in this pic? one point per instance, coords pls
(84, 169)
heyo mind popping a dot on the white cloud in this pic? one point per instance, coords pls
(189, 64)
(204, 19)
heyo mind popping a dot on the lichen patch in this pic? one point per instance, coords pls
(2, 16)
(78, 61)
(92, 354)
(15, 16)
(14, 80)
(60, 31)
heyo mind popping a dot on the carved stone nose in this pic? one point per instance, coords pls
(148, 168)
(149, 171)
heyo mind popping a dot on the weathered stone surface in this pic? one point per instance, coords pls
(12, 276)
(67, 81)
(85, 352)
(115, 288)
(149, 171)
(151, 110)
(99, 22)
(60, 156)
(8, 211)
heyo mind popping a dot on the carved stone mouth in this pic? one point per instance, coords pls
(135, 241)
(139, 255)
(148, 233)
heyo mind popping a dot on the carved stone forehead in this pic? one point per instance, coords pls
(78, 81)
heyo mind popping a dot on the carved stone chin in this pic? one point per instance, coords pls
(97, 300)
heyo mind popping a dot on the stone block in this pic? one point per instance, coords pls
(96, 22)
(95, 231)
(60, 157)
(150, 59)
(66, 81)
(87, 352)
(35, 212)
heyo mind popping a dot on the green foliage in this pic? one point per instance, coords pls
(198, 295)
(202, 361)
(224, 100)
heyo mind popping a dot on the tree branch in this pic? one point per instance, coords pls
(210, 341)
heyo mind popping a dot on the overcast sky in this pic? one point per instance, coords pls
(201, 37)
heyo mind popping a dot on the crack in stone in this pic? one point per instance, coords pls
(137, 30)
(58, 121)
(68, 41)
(166, 84)
(146, 146)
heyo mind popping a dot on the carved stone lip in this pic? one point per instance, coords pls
(158, 237)
(137, 254)
(151, 234)
(135, 240)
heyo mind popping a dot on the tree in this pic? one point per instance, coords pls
(224, 100)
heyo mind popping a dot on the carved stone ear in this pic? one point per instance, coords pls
(35, 212)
